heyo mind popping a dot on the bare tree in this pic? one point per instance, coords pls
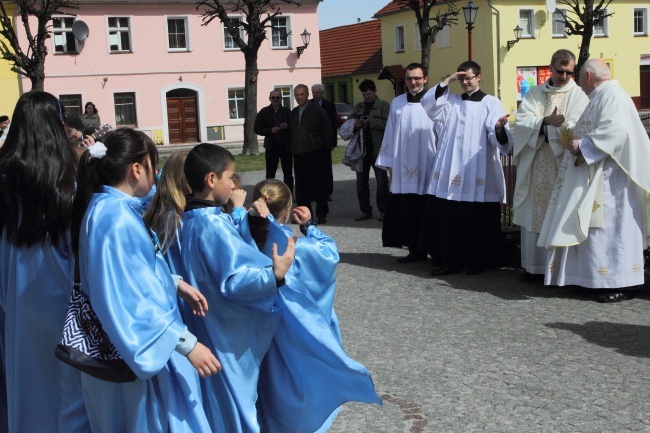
(581, 20)
(30, 62)
(257, 16)
(430, 24)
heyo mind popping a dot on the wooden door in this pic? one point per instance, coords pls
(645, 89)
(182, 120)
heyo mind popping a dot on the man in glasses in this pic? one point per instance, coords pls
(272, 122)
(538, 152)
(598, 221)
(467, 180)
(407, 152)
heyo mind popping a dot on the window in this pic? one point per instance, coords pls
(443, 38)
(125, 110)
(287, 95)
(236, 103)
(417, 43)
(399, 39)
(280, 32)
(119, 34)
(228, 41)
(72, 104)
(640, 22)
(64, 41)
(177, 35)
(600, 25)
(527, 23)
(558, 27)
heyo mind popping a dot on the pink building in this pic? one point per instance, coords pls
(152, 65)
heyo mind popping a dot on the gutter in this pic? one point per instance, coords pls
(498, 48)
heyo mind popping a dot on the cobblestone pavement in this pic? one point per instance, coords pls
(486, 353)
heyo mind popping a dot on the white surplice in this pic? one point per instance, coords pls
(538, 161)
(598, 218)
(408, 148)
(467, 166)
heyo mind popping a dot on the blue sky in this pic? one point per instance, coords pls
(334, 13)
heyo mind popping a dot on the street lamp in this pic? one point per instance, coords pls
(517, 30)
(470, 16)
(306, 36)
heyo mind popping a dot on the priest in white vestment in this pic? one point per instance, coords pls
(467, 180)
(558, 103)
(598, 219)
(407, 152)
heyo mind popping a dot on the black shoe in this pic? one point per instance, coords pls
(363, 216)
(474, 270)
(412, 258)
(441, 271)
(612, 297)
(329, 198)
(322, 220)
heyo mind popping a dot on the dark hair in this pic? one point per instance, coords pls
(416, 65)
(206, 158)
(37, 173)
(124, 146)
(469, 64)
(90, 103)
(564, 56)
(4, 118)
(367, 84)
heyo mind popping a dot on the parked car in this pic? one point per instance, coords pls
(343, 111)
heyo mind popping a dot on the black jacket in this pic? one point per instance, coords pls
(330, 110)
(312, 132)
(264, 125)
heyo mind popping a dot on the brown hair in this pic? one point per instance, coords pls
(276, 194)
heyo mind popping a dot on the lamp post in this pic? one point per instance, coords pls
(306, 37)
(470, 11)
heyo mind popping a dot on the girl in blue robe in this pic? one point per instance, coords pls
(306, 374)
(132, 292)
(39, 393)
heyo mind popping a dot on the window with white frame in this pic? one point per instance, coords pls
(417, 42)
(287, 95)
(236, 104)
(601, 25)
(527, 23)
(640, 22)
(558, 26)
(72, 104)
(178, 38)
(64, 41)
(125, 109)
(443, 38)
(399, 39)
(281, 32)
(228, 40)
(119, 34)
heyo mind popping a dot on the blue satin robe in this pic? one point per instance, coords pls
(41, 394)
(306, 374)
(131, 290)
(239, 285)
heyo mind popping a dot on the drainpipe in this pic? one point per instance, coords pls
(498, 48)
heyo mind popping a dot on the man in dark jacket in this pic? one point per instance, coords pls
(330, 109)
(273, 123)
(311, 132)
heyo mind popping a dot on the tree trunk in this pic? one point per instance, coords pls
(250, 104)
(583, 55)
(38, 76)
(426, 54)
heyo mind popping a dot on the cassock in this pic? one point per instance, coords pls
(306, 374)
(467, 177)
(132, 292)
(38, 393)
(238, 282)
(598, 219)
(408, 149)
(538, 156)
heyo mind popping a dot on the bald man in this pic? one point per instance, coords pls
(597, 219)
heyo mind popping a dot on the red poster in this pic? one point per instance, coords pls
(543, 74)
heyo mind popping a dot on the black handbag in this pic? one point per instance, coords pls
(85, 345)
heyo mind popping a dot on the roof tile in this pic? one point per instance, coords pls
(350, 50)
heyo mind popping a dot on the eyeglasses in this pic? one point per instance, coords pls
(560, 72)
(466, 78)
(275, 98)
(414, 78)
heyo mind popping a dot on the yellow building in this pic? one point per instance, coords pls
(9, 82)
(621, 39)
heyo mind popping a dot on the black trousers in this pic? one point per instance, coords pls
(279, 153)
(363, 186)
(308, 168)
(328, 176)
(403, 222)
